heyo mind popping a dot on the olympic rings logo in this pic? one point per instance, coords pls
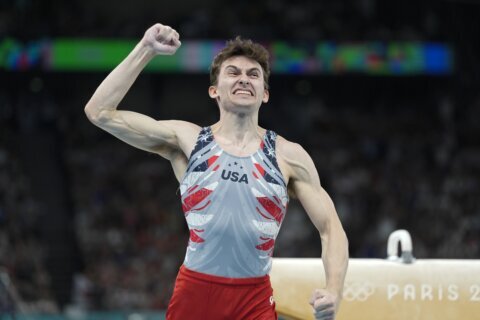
(359, 291)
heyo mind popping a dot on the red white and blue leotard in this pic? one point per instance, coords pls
(234, 207)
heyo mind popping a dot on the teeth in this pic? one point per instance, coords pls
(243, 92)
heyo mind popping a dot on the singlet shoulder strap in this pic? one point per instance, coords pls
(269, 142)
(269, 147)
(204, 138)
(271, 138)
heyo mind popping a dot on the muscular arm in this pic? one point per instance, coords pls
(170, 138)
(305, 183)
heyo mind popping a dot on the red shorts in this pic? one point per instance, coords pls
(200, 296)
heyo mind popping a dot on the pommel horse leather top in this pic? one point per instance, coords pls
(397, 288)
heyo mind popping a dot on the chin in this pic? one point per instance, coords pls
(246, 107)
(247, 104)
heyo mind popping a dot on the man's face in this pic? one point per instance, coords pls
(240, 84)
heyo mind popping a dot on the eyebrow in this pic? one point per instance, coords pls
(236, 68)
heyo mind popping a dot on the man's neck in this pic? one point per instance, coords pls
(238, 129)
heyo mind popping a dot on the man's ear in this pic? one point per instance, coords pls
(266, 96)
(212, 92)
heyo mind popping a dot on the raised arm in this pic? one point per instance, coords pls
(305, 182)
(171, 139)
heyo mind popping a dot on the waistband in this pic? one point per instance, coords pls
(222, 280)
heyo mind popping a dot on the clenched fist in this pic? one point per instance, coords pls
(161, 39)
(324, 304)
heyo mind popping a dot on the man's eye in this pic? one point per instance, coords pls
(255, 75)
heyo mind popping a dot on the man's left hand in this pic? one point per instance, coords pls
(325, 304)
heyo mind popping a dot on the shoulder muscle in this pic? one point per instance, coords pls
(298, 162)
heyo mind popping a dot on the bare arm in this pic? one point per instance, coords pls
(171, 139)
(321, 210)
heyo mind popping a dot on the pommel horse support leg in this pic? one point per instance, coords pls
(398, 288)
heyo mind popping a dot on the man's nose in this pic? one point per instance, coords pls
(244, 81)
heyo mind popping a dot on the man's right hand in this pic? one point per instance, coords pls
(161, 39)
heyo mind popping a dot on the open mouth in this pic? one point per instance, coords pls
(243, 92)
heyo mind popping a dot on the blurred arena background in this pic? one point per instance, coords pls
(383, 94)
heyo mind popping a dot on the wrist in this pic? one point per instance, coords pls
(145, 51)
(334, 290)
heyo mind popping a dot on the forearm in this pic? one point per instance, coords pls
(116, 85)
(335, 258)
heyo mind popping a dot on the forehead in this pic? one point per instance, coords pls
(241, 62)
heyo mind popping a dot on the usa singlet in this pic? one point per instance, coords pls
(234, 207)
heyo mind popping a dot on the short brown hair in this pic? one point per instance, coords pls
(241, 47)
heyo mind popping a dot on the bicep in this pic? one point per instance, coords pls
(307, 188)
(317, 203)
